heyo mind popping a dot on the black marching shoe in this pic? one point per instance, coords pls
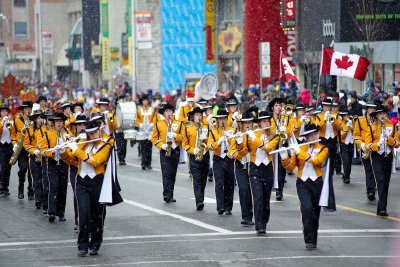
(371, 196)
(221, 211)
(228, 212)
(200, 206)
(346, 180)
(167, 200)
(1, 191)
(143, 168)
(31, 197)
(382, 213)
(82, 252)
(172, 200)
(149, 167)
(38, 205)
(6, 192)
(279, 196)
(20, 195)
(311, 246)
(61, 218)
(93, 251)
(247, 222)
(122, 163)
(52, 218)
(261, 232)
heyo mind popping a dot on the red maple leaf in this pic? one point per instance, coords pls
(343, 63)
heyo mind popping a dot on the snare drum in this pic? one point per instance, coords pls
(130, 134)
(126, 115)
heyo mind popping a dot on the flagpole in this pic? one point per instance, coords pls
(280, 70)
(319, 76)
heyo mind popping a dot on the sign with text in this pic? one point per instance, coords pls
(105, 41)
(143, 29)
(210, 36)
(288, 14)
(47, 42)
(265, 59)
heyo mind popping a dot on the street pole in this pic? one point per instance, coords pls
(132, 46)
(39, 38)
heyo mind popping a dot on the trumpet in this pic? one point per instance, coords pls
(353, 118)
(332, 118)
(168, 140)
(288, 109)
(110, 117)
(306, 119)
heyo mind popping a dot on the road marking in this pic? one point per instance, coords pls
(180, 217)
(157, 169)
(209, 200)
(230, 261)
(288, 232)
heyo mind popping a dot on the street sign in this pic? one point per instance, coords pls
(265, 59)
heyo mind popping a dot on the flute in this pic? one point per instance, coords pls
(241, 134)
(287, 148)
(63, 145)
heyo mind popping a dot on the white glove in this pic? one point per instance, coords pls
(62, 150)
(234, 115)
(295, 148)
(363, 146)
(234, 124)
(106, 112)
(164, 146)
(77, 114)
(239, 139)
(221, 140)
(36, 153)
(381, 142)
(171, 135)
(203, 136)
(283, 154)
(349, 124)
(73, 146)
(303, 119)
(14, 148)
(209, 119)
(251, 135)
(196, 151)
(282, 129)
(5, 118)
(326, 116)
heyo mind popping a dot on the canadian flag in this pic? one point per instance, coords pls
(347, 65)
(287, 71)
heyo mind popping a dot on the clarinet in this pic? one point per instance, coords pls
(225, 144)
(245, 157)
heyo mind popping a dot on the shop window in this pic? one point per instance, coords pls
(388, 75)
(19, 3)
(397, 73)
(20, 30)
(378, 74)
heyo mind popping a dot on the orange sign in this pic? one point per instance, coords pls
(230, 39)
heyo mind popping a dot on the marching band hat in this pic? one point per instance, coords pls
(207, 106)
(144, 97)
(195, 110)
(92, 126)
(327, 101)
(26, 104)
(275, 100)
(371, 104)
(264, 115)
(35, 114)
(58, 117)
(190, 96)
(165, 107)
(344, 112)
(102, 101)
(48, 113)
(40, 99)
(95, 116)
(202, 102)
(77, 104)
(310, 109)
(5, 106)
(299, 106)
(65, 105)
(335, 104)
(246, 117)
(316, 112)
(221, 113)
(309, 128)
(80, 119)
(379, 109)
(231, 101)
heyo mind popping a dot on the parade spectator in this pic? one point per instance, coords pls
(293, 90)
(305, 97)
(355, 108)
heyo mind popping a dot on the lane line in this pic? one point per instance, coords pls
(230, 261)
(289, 232)
(180, 217)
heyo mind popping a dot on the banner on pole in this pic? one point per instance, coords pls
(143, 29)
(105, 42)
(210, 36)
(47, 41)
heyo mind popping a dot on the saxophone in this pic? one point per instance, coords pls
(367, 153)
(199, 144)
(20, 142)
(168, 140)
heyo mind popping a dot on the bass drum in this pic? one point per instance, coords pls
(126, 115)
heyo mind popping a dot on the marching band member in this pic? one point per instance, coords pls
(299, 122)
(381, 141)
(361, 129)
(223, 167)
(330, 124)
(238, 150)
(23, 164)
(280, 124)
(338, 158)
(120, 137)
(309, 160)
(56, 168)
(183, 110)
(208, 120)
(92, 158)
(195, 137)
(66, 109)
(6, 149)
(167, 136)
(232, 108)
(35, 160)
(259, 144)
(97, 116)
(346, 146)
(145, 121)
(42, 101)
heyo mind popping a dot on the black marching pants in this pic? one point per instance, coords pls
(245, 198)
(6, 151)
(36, 172)
(331, 144)
(91, 212)
(145, 149)
(382, 168)
(45, 183)
(73, 172)
(23, 165)
(169, 167)
(369, 176)
(224, 177)
(199, 171)
(309, 193)
(346, 152)
(121, 145)
(58, 183)
(261, 181)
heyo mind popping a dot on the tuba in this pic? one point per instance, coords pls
(168, 140)
(20, 142)
(199, 144)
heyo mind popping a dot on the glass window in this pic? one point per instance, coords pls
(19, 3)
(397, 73)
(378, 74)
(388, 75)
(20, 30)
